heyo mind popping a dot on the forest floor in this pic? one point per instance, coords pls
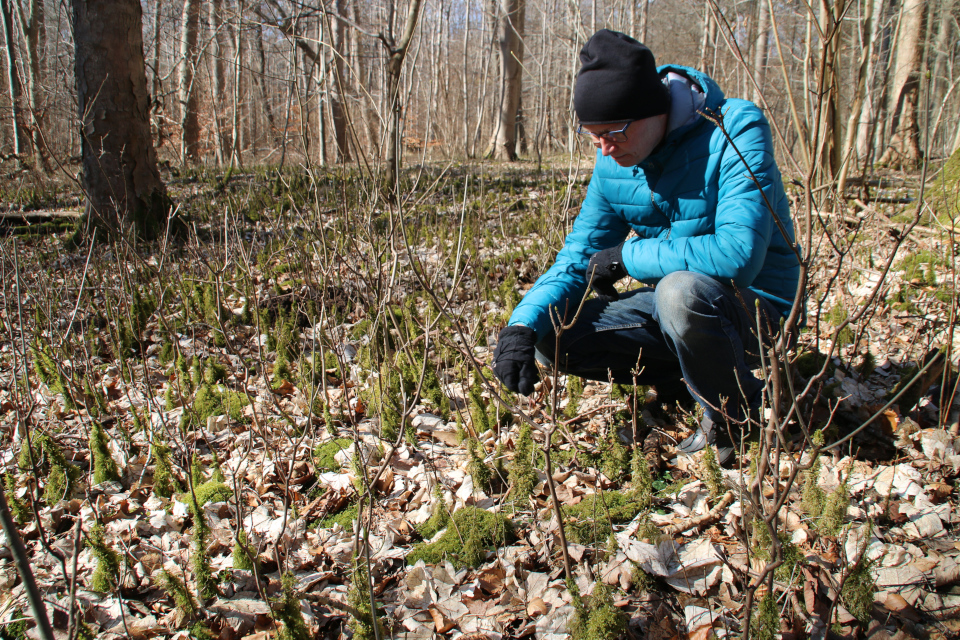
(310, 370)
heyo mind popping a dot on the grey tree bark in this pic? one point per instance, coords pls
(220, 51)
(904, 146)
(13, 79)
(33, 25)
(125, 194)
(512, 17)
(186, 79)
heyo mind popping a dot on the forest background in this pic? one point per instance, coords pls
(248, 393)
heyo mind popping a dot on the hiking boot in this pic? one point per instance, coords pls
(710, 433)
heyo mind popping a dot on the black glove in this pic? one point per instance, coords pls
(606, 267)
(513, 359)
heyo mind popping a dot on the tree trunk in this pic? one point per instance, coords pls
(904, 147)
(336, 82)
(262, 89)
(13, 79)
(397, 53)
(236, 143)
(504, 142)
(221, 51)
(189, 119)
(156, 104)
(34, 30)
(760, 49)
(125, 194)
(856, 104)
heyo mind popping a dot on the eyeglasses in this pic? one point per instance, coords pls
(620, 135)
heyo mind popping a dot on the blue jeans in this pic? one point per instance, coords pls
(690, 328)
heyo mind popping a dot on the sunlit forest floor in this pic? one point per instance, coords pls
(283, 422)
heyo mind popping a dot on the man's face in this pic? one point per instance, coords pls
(642, 137)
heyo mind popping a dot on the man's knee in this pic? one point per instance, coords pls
(683, 299)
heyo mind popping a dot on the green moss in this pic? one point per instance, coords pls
(943, 193)
(345, 517)
(19, 509)
(480, 530)
(921, 266)
(790, 554)
(107, 573)
(477, 467)
(596, 617)
(439, 519)
(212, 491)
(286, 611)
(858, 591)
(104, 466)
(642, 479)
(212, 401)
(614, 457)
(164, 482)
(835, 510)
(16, 630)
(177, 590)
(574, 392)
(809, 363)
(710, 472)
(590, 522)
(521, 472)
(47, 371)
(359, 598)
(241, 559)
(324, 455)
(813, 497)
(765, 621)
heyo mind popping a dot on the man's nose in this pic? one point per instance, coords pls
(606, 147)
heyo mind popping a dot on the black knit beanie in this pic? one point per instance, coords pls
(618, 81)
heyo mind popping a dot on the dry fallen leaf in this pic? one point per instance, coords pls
(537, 607)
(441, 621)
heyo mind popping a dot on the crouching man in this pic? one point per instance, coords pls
(701, 202)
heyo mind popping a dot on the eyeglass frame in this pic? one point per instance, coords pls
(607, 135)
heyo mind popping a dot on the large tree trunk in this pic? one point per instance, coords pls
(504, 142)
(904, 146)
(761, 46)
(13, 79)
(189, 119)
(125, 194)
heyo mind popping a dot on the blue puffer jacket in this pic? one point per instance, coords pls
(693, 207)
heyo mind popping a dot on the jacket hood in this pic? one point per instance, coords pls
(713, 92)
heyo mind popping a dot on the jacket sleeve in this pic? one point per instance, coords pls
(558, 292)
(743, 225)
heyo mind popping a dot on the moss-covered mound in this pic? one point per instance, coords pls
(466, 541)
(591, 521)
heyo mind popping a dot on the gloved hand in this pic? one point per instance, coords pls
(606, 267)
(513, 359)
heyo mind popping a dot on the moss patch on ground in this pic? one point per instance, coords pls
(479, 530)
(324, 455)
(591, 520)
